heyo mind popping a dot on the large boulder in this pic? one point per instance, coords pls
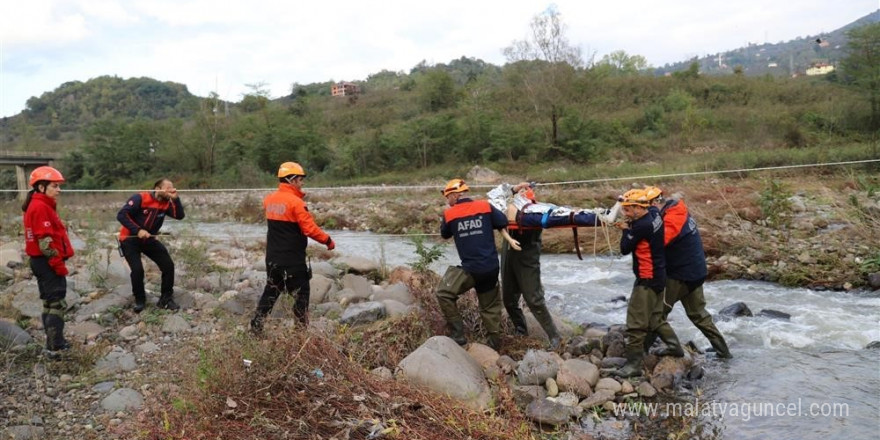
(357, 265)
(545, 412)
(735, 310)
(443, 366)
(11, 335)
(10, 254)
(361, 286)
(397, 292)
(319, 286)
(363, 313)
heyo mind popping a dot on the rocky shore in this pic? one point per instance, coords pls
(822, 235)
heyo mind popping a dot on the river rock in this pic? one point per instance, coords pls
(545, 412)
(397, 291)
(774, 314)
(735, 310)
(646, 390)
(567, 399)
(523, 395)
(578, 376)
(324, 269)
(441, 365)
(483, 354)
(597, 398)
(551, 387)
(10, 254)
(535, 367)
(330, 310)
(319, 285)
(615, 341)
(873, 345)
(24, 432)
(609, 384)
(363, 313)
(396, 309)
(175, 324)
(11, 335)
(85, 331)
(357, 265)
(27, 299)
(119, 297)
(874, 280)
(478, 174)
(118, 360)
(123, 399)
(360, 285)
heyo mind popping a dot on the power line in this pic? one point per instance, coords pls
(435, 187)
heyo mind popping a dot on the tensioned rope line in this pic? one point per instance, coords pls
(433, 187)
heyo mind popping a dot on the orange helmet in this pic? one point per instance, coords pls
(636, 197)
(652, 192)
(46, 173)
(291, 168)
(455, 186)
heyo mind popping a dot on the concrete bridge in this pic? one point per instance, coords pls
(24, 162)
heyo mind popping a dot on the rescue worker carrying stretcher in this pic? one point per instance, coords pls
(142, 216)
(471, 223)
(643, 238)
(290, 225)
(48, 246)
(685, 268)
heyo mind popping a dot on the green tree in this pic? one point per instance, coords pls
(862, 66)
(619, 63)
(548, 65)
(437, 90)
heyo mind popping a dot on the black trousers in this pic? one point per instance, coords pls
(132, 248)
(286, 279)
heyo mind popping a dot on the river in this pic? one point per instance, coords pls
(809, 377)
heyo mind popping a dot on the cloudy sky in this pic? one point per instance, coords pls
(222, 46)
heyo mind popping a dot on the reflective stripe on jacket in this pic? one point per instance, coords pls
(41, 220)
(644, 239)
(145, 211)
(685, 258)
(471, 223)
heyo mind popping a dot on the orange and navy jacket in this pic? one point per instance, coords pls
(471, 223)
(644, 239)
(41, 220)
(145, 211)
(685, 259)
(290, 224)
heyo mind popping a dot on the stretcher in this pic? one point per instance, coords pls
(524, 213)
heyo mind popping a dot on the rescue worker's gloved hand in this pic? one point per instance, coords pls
(58, 266)
(330, 244)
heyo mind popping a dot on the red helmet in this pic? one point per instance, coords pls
(46, 173)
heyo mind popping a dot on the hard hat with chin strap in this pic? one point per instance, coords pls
(636, 197)
(291, 168)
(652, 192)
(45, 173)
(455, 186)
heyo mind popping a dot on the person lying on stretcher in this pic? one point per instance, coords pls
(522, 209)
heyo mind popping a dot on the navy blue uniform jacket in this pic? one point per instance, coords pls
(471, 222)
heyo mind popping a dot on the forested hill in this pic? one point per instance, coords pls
(75, 104)
(778, 59)
(440, 119)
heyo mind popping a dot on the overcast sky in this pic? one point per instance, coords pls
(216, 45)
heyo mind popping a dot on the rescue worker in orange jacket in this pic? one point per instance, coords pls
(685, 268)
(471, 222)
(290, 225)
(48, 246)
(643, 238)
(142, 216)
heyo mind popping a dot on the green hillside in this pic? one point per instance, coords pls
(538, 117)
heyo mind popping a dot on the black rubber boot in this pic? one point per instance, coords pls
(140, 303)
(257, 325)
(167, 302)
(54, 326)
(673, 347)
(519, 322)
(721, 349)
(456, 332)
(632, 367)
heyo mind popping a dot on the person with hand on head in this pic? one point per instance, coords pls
(643, 238)
(48, 246)
(290, 225)
(685, 268)
(471, 222)
(521, 277)
(141, 217)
